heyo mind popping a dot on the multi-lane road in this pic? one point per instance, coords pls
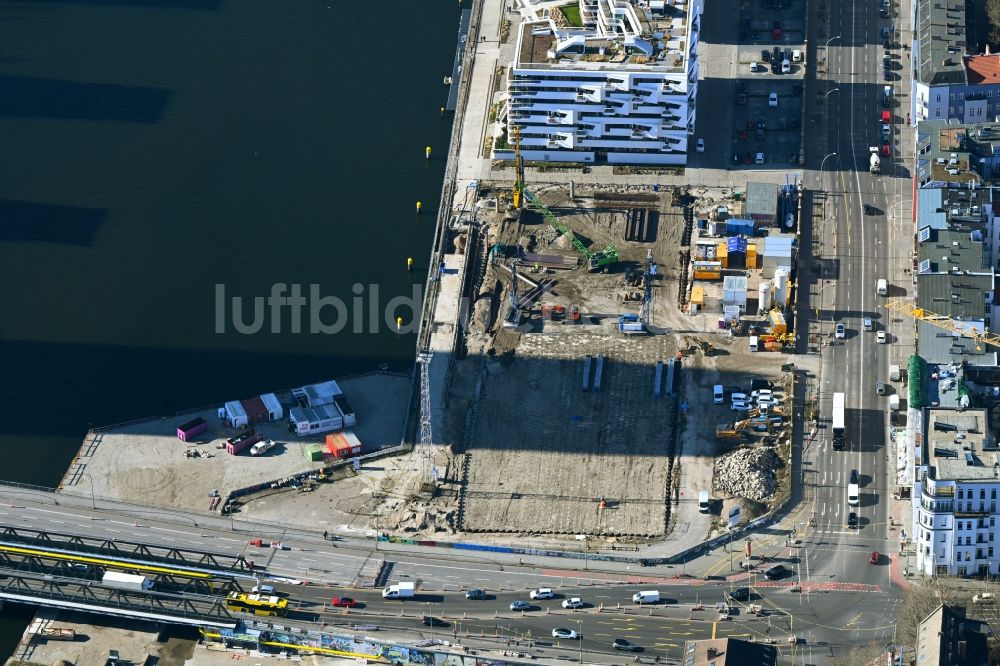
(833, 597)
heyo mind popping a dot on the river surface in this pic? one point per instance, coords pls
(157, 154)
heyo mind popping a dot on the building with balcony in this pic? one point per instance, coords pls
(955, 504)
(616, 87)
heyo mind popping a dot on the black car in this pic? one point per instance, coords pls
(740, 594)
(887, 75)
(475, 595)
(737, 158)
(776, 54)
(759, 385)
(852, 520)
(870, 210)
(854, 476)
(765, 55)
(622, 644)
(431, 621)
(775, 572)
(788, 54)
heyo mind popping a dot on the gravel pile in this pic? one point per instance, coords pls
(748, 473)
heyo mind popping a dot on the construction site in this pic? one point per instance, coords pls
(598, 324)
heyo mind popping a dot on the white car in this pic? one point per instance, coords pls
(840, 332)
(772, 99)
(880, 337)
(762, 394)
(786, 67)
(542, 593)
(739, 397)
(564, 633)
(759, 159)
(575, 602)
(753, 66)
(766, 403)
(700, 145)
(740, 406)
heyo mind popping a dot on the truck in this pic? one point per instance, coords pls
(260, 448)
(853, 494)
(124, 581)
(839, 400)
(874, 162)
(399, 591)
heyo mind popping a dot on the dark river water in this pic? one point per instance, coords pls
(161, 157)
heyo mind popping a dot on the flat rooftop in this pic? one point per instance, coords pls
(951, 435)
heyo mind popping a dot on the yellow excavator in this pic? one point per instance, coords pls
(738, 431)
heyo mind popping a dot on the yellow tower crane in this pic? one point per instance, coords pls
(957, 327)
(518, 192)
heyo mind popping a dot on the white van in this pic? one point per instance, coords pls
(703, 501)
(718, 394)
(754, 343)
(853, 494)
(646, 597)
(267, 590)
(882, 287)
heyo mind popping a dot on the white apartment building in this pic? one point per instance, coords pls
(955, 503)
(618, 89)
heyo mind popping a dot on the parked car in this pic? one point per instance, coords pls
(737, 158)
(700, 145)
(759, 159)
(765, 55)
(573, 602)
(475, 595)
(881, 388)
(564, 633)
(741, 406)
(786, 67)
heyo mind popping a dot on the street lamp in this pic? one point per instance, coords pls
(93, 501)
(830, 40)
(819, 178)
(579, 637)
(832, 91)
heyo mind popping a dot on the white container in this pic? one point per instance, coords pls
(780, 287)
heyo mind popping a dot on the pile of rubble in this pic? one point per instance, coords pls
(748, 473)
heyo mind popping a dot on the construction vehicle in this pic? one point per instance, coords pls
(737, 431)
(954, 326)
(517, 192)
(595, 260)
(512, 318)
(874, 162)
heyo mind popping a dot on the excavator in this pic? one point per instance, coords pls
(737, 432)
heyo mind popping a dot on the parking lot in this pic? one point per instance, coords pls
(758, 77)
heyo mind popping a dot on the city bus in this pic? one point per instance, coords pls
(258, 604)
(838, 421)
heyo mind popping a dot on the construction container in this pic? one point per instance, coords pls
(752, 255)
(772, 346)
(722, 254)
(275, 412)
(315, 395)
(236, 416)
(314, 453)
(187, 431)
(778, 325)
(243, 441)
(343, 444)
(255, 410)
(764, 295)
(698, 296)
(315, 420)
(346, 411)
(706, 270)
